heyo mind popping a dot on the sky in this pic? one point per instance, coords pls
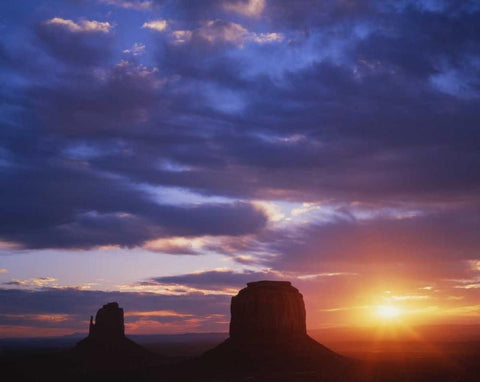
(162, 153)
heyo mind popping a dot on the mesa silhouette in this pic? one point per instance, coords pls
(107, 347)
(268, 337)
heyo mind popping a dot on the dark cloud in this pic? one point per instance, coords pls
(311, 13)
(14, 282)
(214, 280)
(296, 14)
(114, 103)
(77, 48)
(194, 11)
(372, 117)
(82, 302)
(346, 123)
(91, 210)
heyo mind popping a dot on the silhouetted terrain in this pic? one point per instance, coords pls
(49, 359)
(267, 342)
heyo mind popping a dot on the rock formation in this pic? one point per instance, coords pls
(268, 335)
(107, 347)
(108, 322)
(267, 311)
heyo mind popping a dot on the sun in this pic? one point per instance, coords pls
(388, 311)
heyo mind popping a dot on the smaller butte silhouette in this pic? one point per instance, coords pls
(107, 347)
(268, 335)
(108, 324)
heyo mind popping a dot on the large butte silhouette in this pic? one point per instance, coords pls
(268, 335)
(107, 347)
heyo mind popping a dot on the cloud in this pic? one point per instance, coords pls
(338, 101)
(136, 50)
(220, 31)
(35, 282)
(83, 43)
(423, 238)
(181, 36)
(115, 96)
(219, 280)
(229, 282)
(156, 25)
(122, 216)
(85, 303)
(252, 8)
(82, 26)
(340, 111)
(42, 318)
(213, 31)
(94, 208)
(157, 313)
(307, 14)
(138, 5)
(177, 245)
(263, 38)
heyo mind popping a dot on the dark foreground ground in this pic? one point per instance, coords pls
(176, 358)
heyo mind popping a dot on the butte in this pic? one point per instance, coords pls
(107, 347)
(268, 339)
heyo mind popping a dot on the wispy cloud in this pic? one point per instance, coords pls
(325, 274)
(37, 317)
(181, 36)
(139, 5)
(252, 8)
(34, 282)
(82, 26)
(266, 38)
(220, 31)
(157, 25)
(156, 313)
(136, 50)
